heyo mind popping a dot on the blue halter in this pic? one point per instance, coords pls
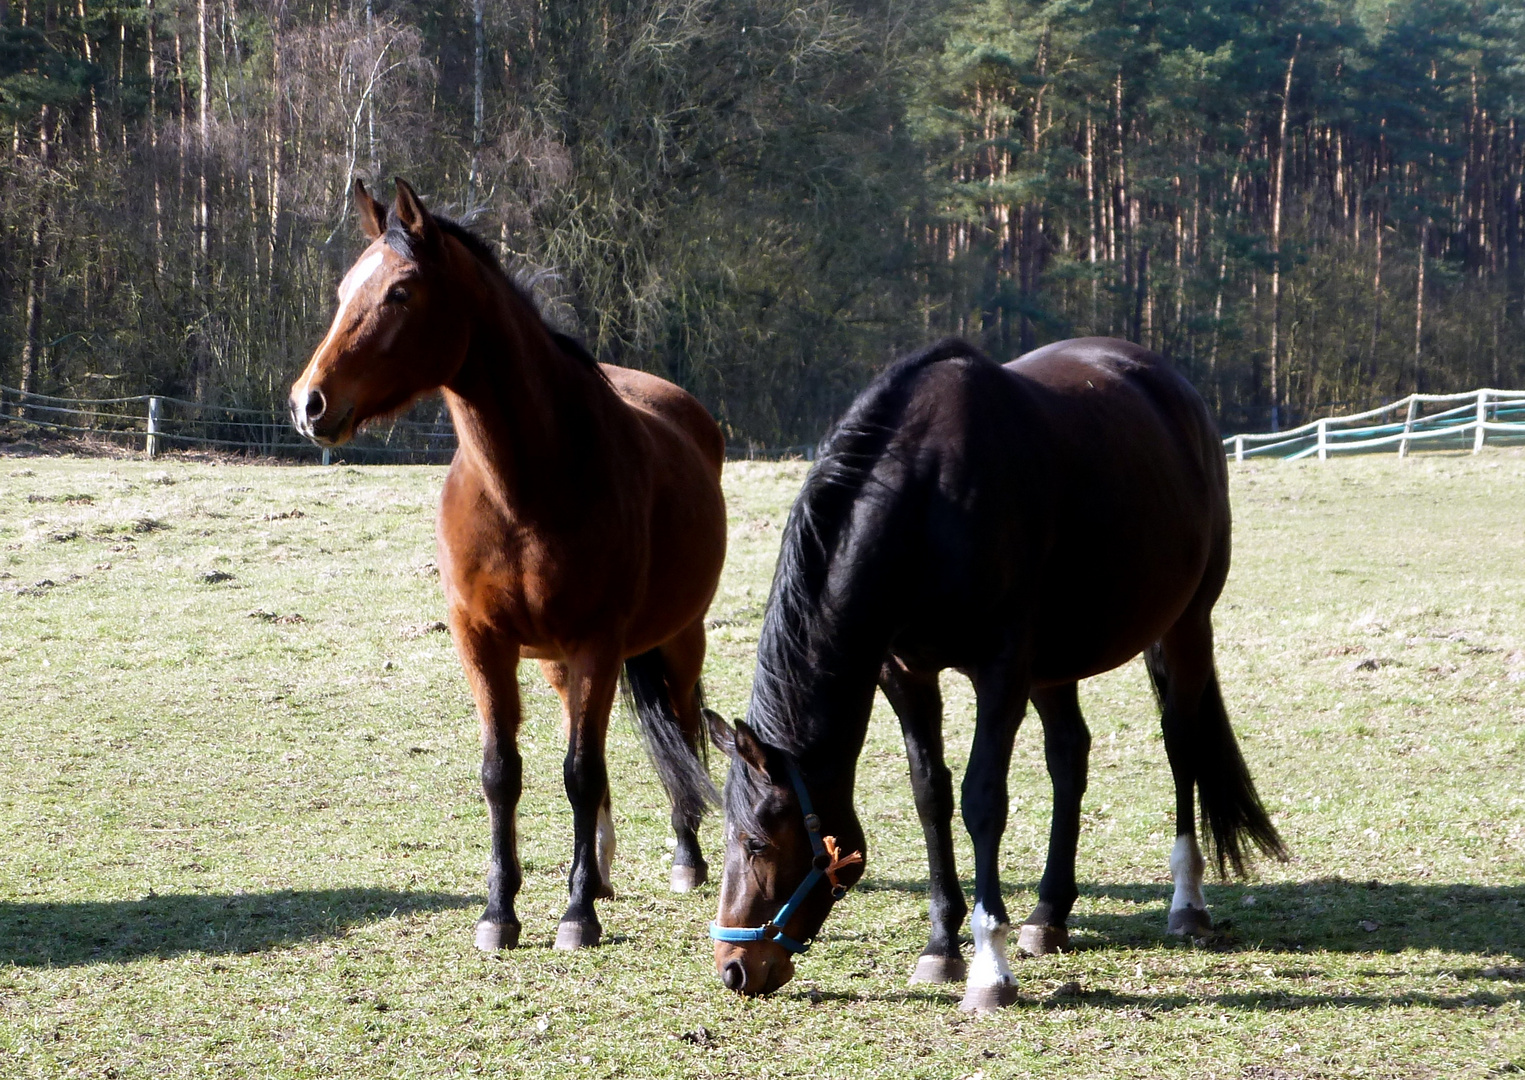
(773, 929)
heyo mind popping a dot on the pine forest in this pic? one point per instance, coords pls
(1308, 206)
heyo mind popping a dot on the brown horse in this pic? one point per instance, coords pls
(1031, 525)
(581, 524)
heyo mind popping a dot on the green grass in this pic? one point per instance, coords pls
(238, 842)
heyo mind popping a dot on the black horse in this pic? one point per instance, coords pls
(1030, 525)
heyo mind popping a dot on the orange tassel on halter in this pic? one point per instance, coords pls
(838, 860)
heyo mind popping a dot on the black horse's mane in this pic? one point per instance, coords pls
(401, 241)
(795, 626)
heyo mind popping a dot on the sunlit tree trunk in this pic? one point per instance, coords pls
(1278, 185)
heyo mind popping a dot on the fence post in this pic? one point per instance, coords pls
(1239, 448)
(1482, 418)
(1323, 439)
(327, 455)
(151, 442)
(1408, 426)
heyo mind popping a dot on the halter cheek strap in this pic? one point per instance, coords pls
(828, 860)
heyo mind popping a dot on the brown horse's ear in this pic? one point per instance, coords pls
(720, 732)
(750, 750)
(414, 218)
(373, 216)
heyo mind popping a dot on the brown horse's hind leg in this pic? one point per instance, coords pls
(491, 666)
(918, 703)
(684, 656)
(1066, 746)
(587, 696)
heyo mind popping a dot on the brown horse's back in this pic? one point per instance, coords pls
(670, 404)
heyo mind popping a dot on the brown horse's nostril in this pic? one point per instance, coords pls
(734, 976)
(315, 404)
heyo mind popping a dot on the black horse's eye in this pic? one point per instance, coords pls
(397, 294)
(755, 846)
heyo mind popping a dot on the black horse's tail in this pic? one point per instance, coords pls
(681, 764)
(1231, 808)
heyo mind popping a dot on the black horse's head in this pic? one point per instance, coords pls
(791, 850)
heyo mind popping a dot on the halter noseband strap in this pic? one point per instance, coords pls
(826, 864)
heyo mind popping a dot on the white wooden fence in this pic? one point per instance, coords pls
(1458, 421)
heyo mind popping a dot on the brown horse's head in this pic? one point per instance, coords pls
(397, 333)
(769, 853)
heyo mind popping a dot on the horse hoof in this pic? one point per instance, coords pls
(985, 999)
(492, 936)
(688, 878)
(1036, 939)
(1189, 922)
(604, 892)
(931, 968)
(577, 935)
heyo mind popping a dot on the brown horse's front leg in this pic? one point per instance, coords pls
(587, 695)
(491, 663)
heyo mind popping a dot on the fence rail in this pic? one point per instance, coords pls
(1433, 421)
(153, 423)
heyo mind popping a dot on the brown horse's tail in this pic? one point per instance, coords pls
(1231, 807)
(681, 760)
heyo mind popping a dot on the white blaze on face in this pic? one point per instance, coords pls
(603, 844)
(1186, 867)
(989, 967)
(358, 275)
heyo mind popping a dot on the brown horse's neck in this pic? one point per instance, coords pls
(540, 427)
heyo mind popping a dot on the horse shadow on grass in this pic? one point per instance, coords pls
(1324, 914)
(66, 934)
(1286, 928)
(1144, 1005)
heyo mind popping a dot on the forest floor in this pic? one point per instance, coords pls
(241, 831)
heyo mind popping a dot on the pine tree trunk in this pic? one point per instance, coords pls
(1090, 167)
(201, 352)
(1424, 237)
(1278, 186)
(478, 75)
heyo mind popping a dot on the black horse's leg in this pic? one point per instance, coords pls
(491, 665)
(1066, 746)
(587, 697)
(1181, 668)
(918, 703)
(1001, 693)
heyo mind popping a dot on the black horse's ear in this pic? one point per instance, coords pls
(720, 732)
(373, 216)
(410, 211)
(747, 748)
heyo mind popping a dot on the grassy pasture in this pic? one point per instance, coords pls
(241, 834)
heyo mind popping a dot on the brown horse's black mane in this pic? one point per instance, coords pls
(796, 627)
(398, 239)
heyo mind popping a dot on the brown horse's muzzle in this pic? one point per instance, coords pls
(753, 969)
(318, 417)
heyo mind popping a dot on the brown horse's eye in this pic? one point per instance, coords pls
(755, 846)
(397, 294)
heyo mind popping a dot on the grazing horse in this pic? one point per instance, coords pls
(581, 525)
(1031, 525)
